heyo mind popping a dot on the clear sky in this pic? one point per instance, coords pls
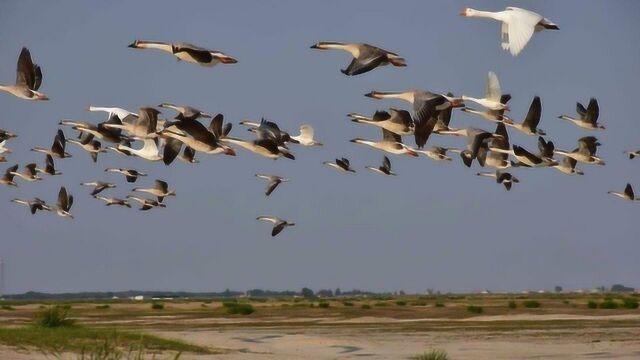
(435, 225)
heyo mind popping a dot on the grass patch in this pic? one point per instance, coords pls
(54, 317)
(323, 305)
(380, 303)
(234, 308)
(630, 303)
(347, 303)
(401, 303)
(439, 305)
(512, 304)
(475, 309)
(365, 306)
(432, 355)
(157, 306)
(419, 303)
(80, 339)
(608, 304)
(7, 307)
(592, 304)
(531, 304)
(102, 307)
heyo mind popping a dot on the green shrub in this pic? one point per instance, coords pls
(475, 309)
(347, 303)
(7, 307)
(512, 304)
(102, 307)
(439, 304)
(157, 306)
(238, 308)
(64, 306)
(323, 305)
(592, 304)
(380, 303)
(630, 303)
(608, 304)
(531, 304)
(401, 303)
(365, 306)
(54, 316)
(432, 355)
(419, 303)
(566, 302)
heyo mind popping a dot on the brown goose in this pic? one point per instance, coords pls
(65, 201)
(391, 143)
(187, 52)
(587, 118)
(50, 168)
(278, 224)
(626, 195)
(7, 178)
(397, 121)
(160, 190)
(273, 182)
(57, 149)
(29, 173)
(146, 204)
(384, 169)
(33, 205)
(585, 152)
(98, 186)
(503, 178)
(340, 165)
(93, 147)
(530, 124)
(28, 79)
(110, 201)
(143, 127)
(426, 107)
(365, 57)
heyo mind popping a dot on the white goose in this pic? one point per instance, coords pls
(148, 152)
(384, 169)
(391, 143)
(187, 52)
(518, 25)
(492, 94)
(306, 136)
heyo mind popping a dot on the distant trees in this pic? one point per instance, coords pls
(324, 293)
(621, 288)
(558, 289)
(338, 292)
(307, 293)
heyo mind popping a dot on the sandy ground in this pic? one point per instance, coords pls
(375, 343)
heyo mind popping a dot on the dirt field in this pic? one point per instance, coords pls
(560, 328)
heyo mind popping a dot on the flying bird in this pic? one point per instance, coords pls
(633, 153)
(626, 195)
(340, 165)
(384, 169)
(587, 118)
(28, 79)
(530, 124)
(110, 201)
(88, 144)
(65, 201)
(130, 174)
(391, 143)
(160, 190)
(50, 168)
(146, 204)
(57, 149)
(492, 95)
(396, 120)
(518, 25)
(490, 115)
(278, 224)
(98, 186)
(272, 182)
(7, 178)
(503, 178)
(187, 52)
(585, 152)
(33, 205)
(306, 136)
(365, 57)
(438, 153)
(29, 173)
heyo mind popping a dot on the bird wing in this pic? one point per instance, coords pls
(628, 190)
(534, 114)
(272, 186)
(63, 199)
(390, 136)
(425, 118)
(215, 126)
(497, 114)
(581, 110)
(381, 115)
(362, 65)
(271, 219)
(25, 74)
(492, 88)
(278, 228)
(386, 163)
(593, 111)
(198, 53)
(520, 27)
(31, 169)
(162, 186)
(306, 132)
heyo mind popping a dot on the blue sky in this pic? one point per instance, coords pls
(435, 225)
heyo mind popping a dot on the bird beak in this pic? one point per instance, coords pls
(412, 153)
(463, 12)
(373, 95)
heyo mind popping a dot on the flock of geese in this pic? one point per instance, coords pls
(164, 139)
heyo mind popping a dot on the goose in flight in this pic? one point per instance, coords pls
(130, 174)
(124, 141)
(518, 25)
(476, 138)
(365, 57)
(585, 152)
(185, 111)
(503, 178)
(93, 147)
(384, 169)
(33, 205)
(110, 201)
(587, 118)
(160, 190)
(6, 135)
(98, 186)
(7, 178)
(438, 153)
(29, 173)
(626, 195)
(143, 127)
(546, 148)
(568, 166)
(187, 52)
(530, 124)
(426, 107)
(122, 114)
(444, 118)
(633, 153)
(188, 155)
(264, 147)
(391, 143)
(490, 115)
(306, 136)
(146, 204)
(493, 159)
(396, 121)
(28, 79)
(102, 131)
(148, 152)
(65, 201)
(272, 182)
(278, 224)
(50, 168)
(193, 134)
(525, 158)
(57, 149)
(340, 165)
(269, 129)
(492, 94)
(3, 149)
